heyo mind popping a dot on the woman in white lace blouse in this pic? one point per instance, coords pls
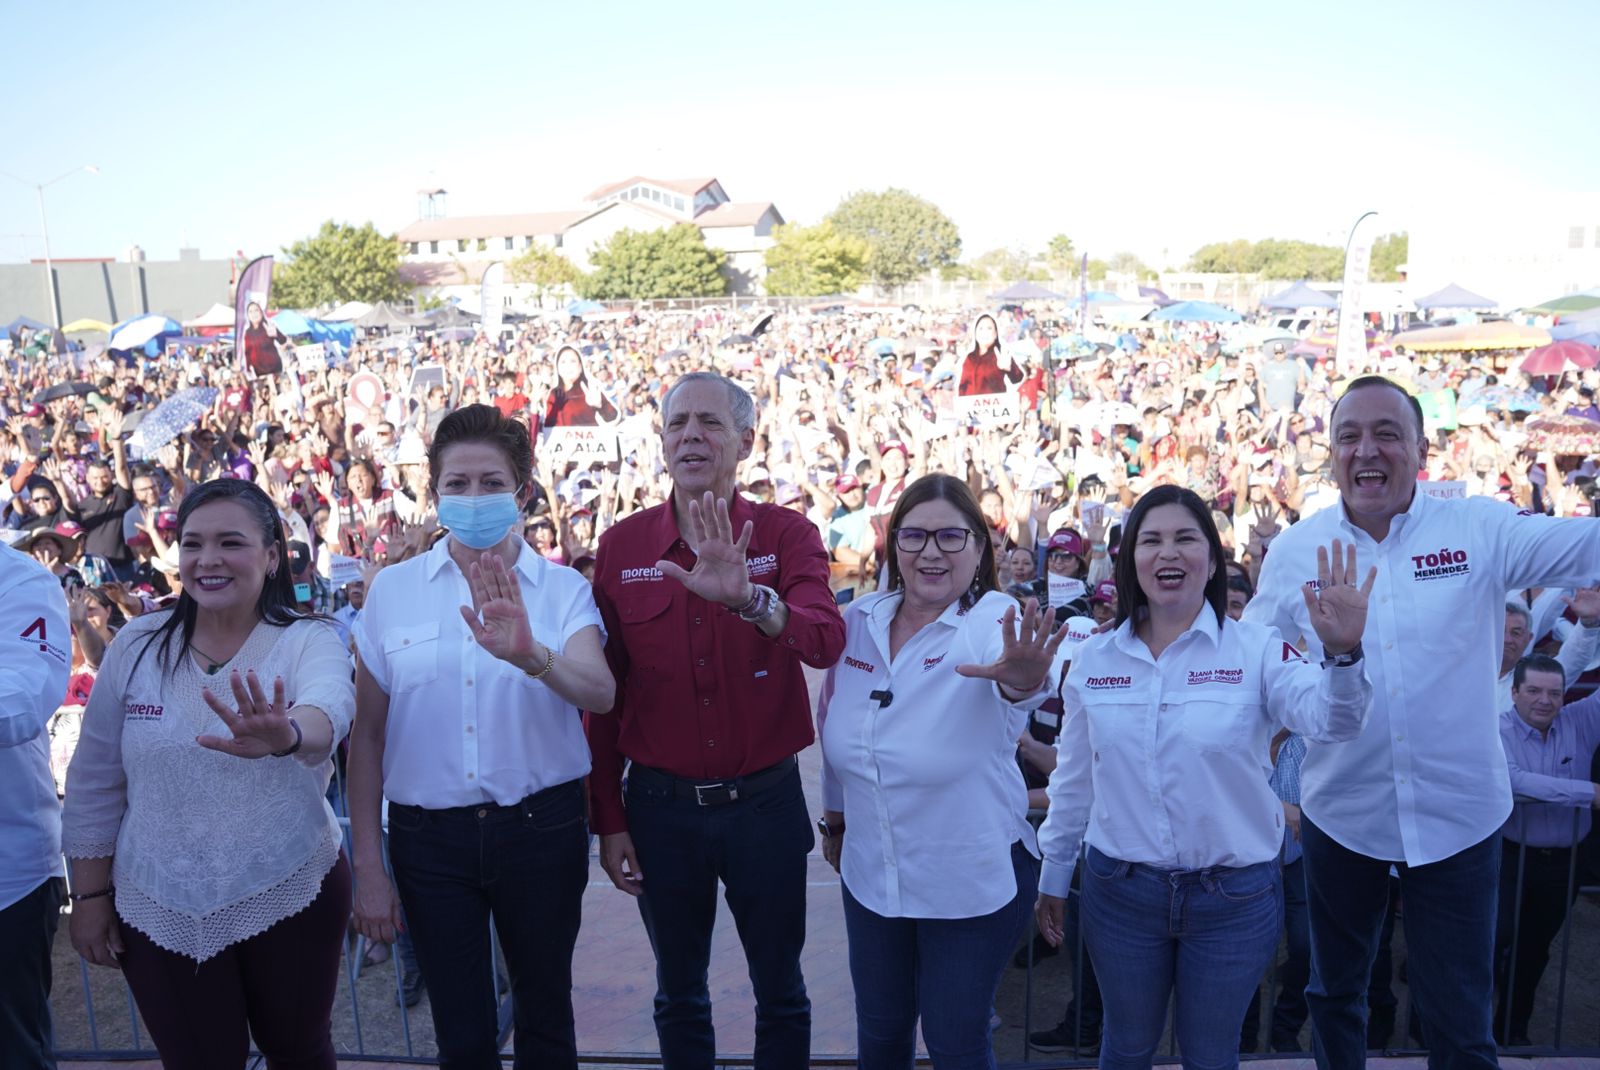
(206, 862)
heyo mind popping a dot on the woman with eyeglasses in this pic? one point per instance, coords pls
(919, 724)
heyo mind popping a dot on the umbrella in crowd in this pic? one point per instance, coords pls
(1563, 434)
(1577, 330)
(86, 326)
(1579, 302)
(172, 417)
(1496, 334)
(63, 390)
(736, 340)
(762, 325)
(580, 307)
(141, 330)
(1195, 312)
(1558, 357)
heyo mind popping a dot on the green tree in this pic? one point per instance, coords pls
(906, 236)
(1388, 253)
(1005, 265)
(542, 268)
(339, 263)
(1097, 270)
(814, 261)
(641, 265)
(1271, 258)
(1058, 251)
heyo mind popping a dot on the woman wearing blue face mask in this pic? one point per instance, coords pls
(475, 660)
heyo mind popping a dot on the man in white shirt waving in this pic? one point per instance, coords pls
(35, 649)
(1424, 788)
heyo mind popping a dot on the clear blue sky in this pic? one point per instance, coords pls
(1150, 126)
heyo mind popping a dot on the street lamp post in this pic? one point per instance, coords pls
(44, 226)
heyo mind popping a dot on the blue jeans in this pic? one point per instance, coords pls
(525, 867)
(945, 970)
(756, 847)
(1449, 924)
(1289, 1012)
(1206, 934)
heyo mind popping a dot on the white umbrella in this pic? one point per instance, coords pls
(218, 315)
(136, 332)
(167, 420)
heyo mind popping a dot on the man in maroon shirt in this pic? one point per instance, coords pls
(708, 630)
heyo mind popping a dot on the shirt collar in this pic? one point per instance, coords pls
(1205, 623)
(667, 532)
(1411, 514)
(1526, 730)
(528, 563)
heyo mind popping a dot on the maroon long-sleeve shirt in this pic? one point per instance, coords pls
(700, 693)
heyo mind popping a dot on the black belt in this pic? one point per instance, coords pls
(715, 792)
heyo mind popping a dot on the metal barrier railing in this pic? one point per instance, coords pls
(403, 1047)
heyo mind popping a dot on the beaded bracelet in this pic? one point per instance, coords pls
(299, 738)
(78, 898)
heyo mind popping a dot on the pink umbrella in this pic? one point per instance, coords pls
(1558, 357)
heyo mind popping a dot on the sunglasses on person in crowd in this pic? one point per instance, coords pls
(948, 540)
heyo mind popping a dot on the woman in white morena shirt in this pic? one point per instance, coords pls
(208, 864)
(925, 810)
(1163, 759)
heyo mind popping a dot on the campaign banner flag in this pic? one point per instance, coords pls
(1352, 348)
(584, 446)
(252, 337)
(492, 307)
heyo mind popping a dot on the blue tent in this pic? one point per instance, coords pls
(20, 322)
(1025, 291)
(1097, 297)
(292, 323)
(1453, 296)
(1300, 296)
(1195, 312)
(580, 307)
(1585, 331)
(1151, 293)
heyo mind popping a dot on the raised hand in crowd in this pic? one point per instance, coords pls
(1028, 650)
(721, 573)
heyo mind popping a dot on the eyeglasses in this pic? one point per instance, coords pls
(948, 540)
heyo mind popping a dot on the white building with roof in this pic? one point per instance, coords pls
(451, 252)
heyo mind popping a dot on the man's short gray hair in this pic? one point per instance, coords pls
(1522, 611)
(742, 405)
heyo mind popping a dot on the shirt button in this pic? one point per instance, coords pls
(1399, 739)
(705, 702)
(700, 661)
(483, 813)
(469, 683)
(469, 730)
(1388, 646)
(405, 642)
(472, 776)
(711, 743)
(1402, 780)
(697, 620)
(791, 640)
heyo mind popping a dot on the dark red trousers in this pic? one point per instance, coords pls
(278, 986)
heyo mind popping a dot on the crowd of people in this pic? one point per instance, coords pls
(1266, 641)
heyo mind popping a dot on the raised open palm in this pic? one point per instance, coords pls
(498, 617)
(720, 572)
(1338, 608)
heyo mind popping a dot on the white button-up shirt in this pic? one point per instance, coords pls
(929, 785)
(465, 727)
(1166, 761)
(1427, 778)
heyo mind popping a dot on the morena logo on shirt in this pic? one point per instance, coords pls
(1108, 683)
(1215, 676)
(761, 566)
(1292, 653)
(928, 663)
(856, 663)
(636, 575)
(1440, 565)
(143, 711)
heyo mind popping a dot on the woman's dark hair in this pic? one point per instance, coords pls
(558, 396)
(483, 423)
(944, 488)
(995, 345)
(372, 470)
(276, 605)
(1131, 600)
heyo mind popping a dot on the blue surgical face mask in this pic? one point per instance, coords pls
(479, 522)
